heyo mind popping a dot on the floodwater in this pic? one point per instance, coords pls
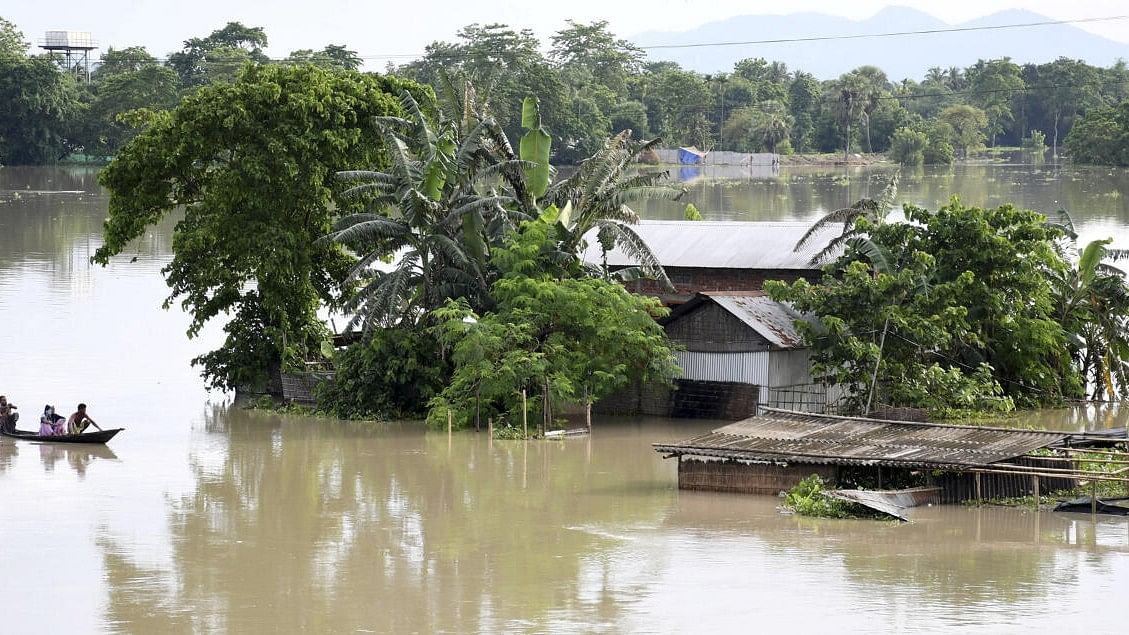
(203, 517)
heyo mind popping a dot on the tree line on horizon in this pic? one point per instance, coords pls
(592, 84)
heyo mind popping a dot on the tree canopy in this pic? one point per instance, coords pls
(252, 163)
(952, 310)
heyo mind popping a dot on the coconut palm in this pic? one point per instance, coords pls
(599, 196)
(874, 210)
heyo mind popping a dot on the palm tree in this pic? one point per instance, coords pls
(874, 210)
(430, 212)
(773, 123)
(599, 195)
(1093, 308)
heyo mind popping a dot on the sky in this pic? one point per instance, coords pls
(394, 28)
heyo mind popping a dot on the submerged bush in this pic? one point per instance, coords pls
(391, 373)
(807, 499)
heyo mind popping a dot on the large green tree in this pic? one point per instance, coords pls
(252, 165)
(130, 80)
(968, 124)
(37, 104)
(219, 55)
(995, 86)
(1101, 136)
(951, 310)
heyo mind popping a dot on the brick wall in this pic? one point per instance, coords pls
(690, 280)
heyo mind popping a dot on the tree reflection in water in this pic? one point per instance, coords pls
(321, 526)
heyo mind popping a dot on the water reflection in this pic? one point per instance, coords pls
(292, 520)
(305, 524)
(76, 457)
(8, 453)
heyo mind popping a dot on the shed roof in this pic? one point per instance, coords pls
(774, 321)
(722, 244)
(782, 436)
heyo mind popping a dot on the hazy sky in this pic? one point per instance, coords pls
(375, 28)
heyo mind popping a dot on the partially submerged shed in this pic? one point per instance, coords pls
(776, 449)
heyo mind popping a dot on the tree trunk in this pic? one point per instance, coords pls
(877, 363)
(869, 147)
(1055, 152)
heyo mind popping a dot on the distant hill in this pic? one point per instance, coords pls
(900, 56)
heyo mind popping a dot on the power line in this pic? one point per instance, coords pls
(859, 36)
(817, 38)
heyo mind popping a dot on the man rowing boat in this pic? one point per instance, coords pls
(79, 421)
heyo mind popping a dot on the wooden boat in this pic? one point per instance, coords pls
(101, 436)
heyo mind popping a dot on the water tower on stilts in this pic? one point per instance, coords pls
(71, 51)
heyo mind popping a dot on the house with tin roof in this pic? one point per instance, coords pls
(730, 256)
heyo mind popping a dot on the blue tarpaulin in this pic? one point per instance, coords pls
(690, 156)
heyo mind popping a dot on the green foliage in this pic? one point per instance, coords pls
(391, 373)
(220, 55)
(1036, 141)
(968, 124)
(1101, 136)
(630, 115)
(252, 164)
(534, 148)
(939, 150)
(149, 87)
(429, 216)
(37, 104)
(931, 304)
(995, 87)
(333, 56)
(692, 212)
(561, 337)
(807, 499)
(12, 42)
(1092, 304)
(949, 393)
(907, 146)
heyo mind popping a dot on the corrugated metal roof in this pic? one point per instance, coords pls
(773, 320)
(721, 245)
(781, 436)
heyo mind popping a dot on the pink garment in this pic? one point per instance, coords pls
(46, 429)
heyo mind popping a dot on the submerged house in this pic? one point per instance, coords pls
(741, 349)
(719, 256)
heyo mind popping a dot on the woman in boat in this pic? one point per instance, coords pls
(51, 424)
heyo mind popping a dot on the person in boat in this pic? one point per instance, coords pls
(51, 424)
(80, 421)
(8, 418)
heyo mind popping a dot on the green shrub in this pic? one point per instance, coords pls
(807, 499)
(907, 146)
(391, 373)
(1036, 141)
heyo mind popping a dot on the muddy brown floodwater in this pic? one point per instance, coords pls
(204, 517)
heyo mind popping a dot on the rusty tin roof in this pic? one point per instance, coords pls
(782, 436)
